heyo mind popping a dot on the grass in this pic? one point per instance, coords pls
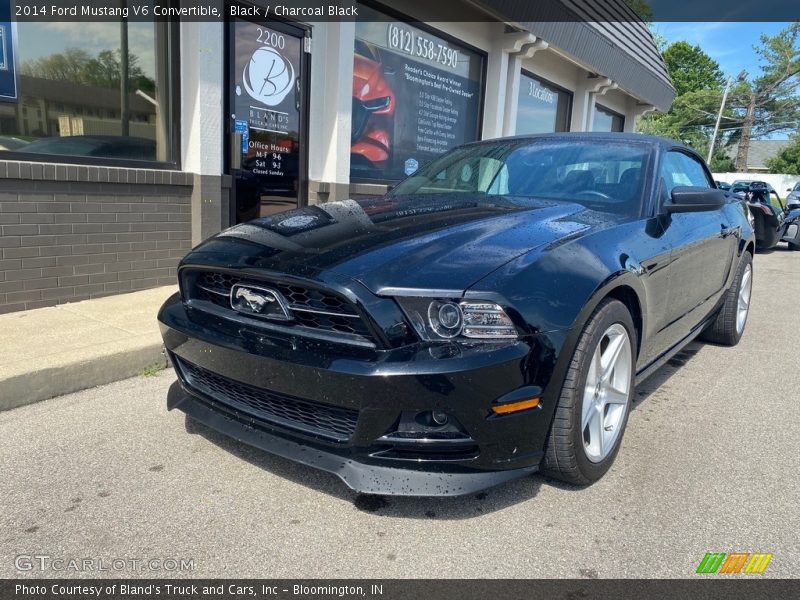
(152, 370)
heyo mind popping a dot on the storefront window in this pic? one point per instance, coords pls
(415, 95)
(543, 107)
(71, 98)
(607, 120)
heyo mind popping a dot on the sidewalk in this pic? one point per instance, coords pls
(52, 351)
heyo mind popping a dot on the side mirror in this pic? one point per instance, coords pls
(695, 199)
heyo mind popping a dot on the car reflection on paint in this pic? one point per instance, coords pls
(489, 317)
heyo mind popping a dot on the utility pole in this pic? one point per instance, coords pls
(728, 84)
(719, 118)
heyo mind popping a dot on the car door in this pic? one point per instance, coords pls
(702, 246)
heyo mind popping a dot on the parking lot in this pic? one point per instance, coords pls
(708, 464)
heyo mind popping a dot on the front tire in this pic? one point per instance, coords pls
(728, 326)
(595, 399)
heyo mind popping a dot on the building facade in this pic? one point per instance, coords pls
(123, 145)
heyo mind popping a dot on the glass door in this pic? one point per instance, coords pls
(267, 119)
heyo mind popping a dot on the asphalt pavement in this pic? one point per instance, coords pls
(708, 464)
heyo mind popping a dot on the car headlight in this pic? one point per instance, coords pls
(445, 319)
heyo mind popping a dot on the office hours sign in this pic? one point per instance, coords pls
(266, 105)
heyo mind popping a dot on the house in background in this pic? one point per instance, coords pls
(760, 151)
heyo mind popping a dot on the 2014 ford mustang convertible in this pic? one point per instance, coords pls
(487, 318)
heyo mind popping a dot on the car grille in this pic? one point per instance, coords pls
(312, 309)
(331, 422)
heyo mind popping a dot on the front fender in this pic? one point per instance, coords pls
(554, 292)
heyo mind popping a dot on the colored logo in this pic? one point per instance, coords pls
(268, 77)
(735, 562)
(410, 166)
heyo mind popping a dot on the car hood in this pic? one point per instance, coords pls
(435, 242)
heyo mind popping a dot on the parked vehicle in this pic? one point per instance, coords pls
(487, 318)
(723, 185)
(768, 214)
(742, 186)
(106, 146)
(11, 143)
(791, 234)
(794, 194)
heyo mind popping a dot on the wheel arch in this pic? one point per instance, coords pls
(626, 294)
(624, 287)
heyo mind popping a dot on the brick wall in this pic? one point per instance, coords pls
(69, 233)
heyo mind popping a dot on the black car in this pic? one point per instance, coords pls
(791, 232)
(487, 318)
(106, 146)
(794, 195)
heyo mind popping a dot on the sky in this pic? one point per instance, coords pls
(730, 44)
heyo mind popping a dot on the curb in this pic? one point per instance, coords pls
(87, 372)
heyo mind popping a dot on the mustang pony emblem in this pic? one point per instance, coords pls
(262, 302)
(256, 302)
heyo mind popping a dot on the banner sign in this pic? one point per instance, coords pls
(415, 95)
(8, 72)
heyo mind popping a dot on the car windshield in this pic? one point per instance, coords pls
(601, 175)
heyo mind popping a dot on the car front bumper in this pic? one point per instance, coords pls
(360, 416)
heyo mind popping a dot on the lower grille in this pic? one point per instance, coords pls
(331, 422)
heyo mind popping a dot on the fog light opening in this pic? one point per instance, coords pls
(439, 417)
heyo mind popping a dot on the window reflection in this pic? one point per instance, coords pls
(74, 99)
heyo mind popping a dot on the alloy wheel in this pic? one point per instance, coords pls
(743, 304)
(607, 393)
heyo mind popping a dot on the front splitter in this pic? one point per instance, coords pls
(361, 477)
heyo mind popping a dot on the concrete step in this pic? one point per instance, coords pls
(52, 351)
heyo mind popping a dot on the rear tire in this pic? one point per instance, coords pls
(728, 326)
(595, 399)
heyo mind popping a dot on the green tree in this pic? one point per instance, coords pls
(78, 66)
(691, 69)
(698, 82)
(769, 103)
(721, 162)
(66, 66)
(788, 159)
(642, 9)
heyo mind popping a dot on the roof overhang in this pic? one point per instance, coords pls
(603, 36)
